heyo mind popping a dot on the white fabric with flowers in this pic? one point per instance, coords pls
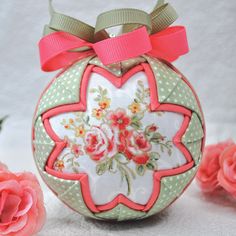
(118, 142)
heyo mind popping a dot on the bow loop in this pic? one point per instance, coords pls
(68, 39)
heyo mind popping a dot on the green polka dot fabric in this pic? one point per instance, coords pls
(69, 192)
(65, 89)
(121, 213)
(43, 144)
(115, 69)
(192, 138)
(184, 96)
(166, 79)
(171, 88)
(195, 148)
(194, 131)
(118, 69)
(171, 188)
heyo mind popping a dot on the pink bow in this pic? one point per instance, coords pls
(56, 49)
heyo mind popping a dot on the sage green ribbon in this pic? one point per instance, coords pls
(122, 17)
(160, 18)
(61, 22)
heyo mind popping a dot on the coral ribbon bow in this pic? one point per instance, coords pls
(61, 49)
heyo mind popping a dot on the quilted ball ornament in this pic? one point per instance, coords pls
(117, 141)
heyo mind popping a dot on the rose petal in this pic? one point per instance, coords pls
(16, 226)
(25, 205)
(3, 198)
(10, 208)
(11, 185)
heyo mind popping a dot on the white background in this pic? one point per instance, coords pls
(210, 66)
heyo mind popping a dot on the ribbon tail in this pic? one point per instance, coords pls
(56, 50)
(169, 44)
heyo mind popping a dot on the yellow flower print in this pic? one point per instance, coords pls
(135, 107)
(80, 131)
(59, 164)
(66, 126)
(97, 113)
(104, 104)
(71, 121)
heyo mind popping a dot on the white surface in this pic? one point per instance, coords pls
(110, 183)
(210, 66)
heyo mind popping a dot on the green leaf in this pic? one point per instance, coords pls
(112, 167)
(93, 90)
(140, 83)
(150, 166)
(101, 168)
(156, 137)
(162, 148)
(121, 158)
(69, 160)
(76, 163)
(154, 156)
(136, 124)
(140, 169)
(105, 92)
(87, 119)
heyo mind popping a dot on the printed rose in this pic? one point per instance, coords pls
(207, 173)
(135, 146)
(100, 142)
(227, 173)
(119, 119)
(22, 211)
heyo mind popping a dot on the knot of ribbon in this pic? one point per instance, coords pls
(67, 39)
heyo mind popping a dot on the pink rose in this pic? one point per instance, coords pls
(100, 142)
(22, 211)
(207, 173)
(119, 119)
(135, 146)
(227, 173)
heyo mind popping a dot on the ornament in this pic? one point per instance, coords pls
(118, 134)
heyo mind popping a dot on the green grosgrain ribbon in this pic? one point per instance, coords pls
(61, 22)
(122, 17)
(160, 18)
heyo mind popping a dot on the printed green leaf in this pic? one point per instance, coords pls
(121, 158)
(154, 156)
(150, 166)
(136, 124)
(140, 169)
(156, 137)
(101, 168)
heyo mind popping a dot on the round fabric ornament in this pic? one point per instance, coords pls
(118, 134)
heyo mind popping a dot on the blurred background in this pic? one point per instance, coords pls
(210, 67)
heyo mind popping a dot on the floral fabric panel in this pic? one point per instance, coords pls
(118, 142)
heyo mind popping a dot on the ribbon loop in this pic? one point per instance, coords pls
(122, 17)
(123, 47)
(60, 22)
(162, 17)
(68, 39)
